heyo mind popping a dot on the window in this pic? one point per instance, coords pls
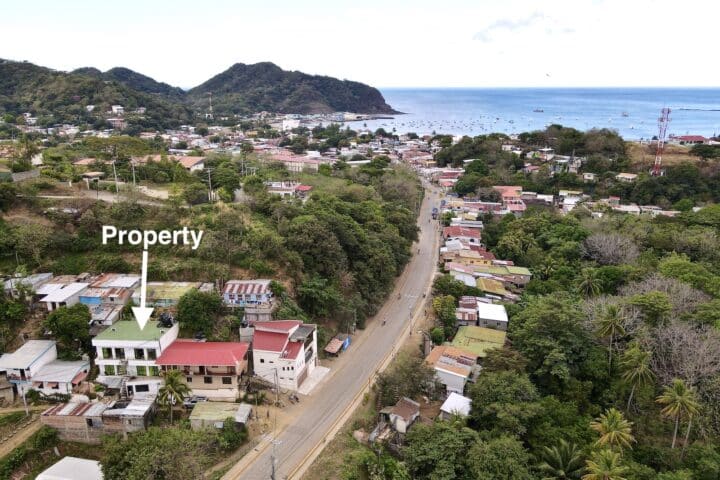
(109, 370)
(120, 353)
(262, 360)
(142, 388)
(188, 379)
(207, 379)
(140, 354)
(141, 371)
(227, 380)
(152, 354)
(154, 371)
(106, 352)
(55, 386)
(89, 422)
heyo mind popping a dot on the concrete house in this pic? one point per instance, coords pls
(286, 350)
(492, 316)
(241, 293)
(64, 295)
(88, 422)
(124, 351)
(25, 362)
(31, 282)
(214, 414)
(211, 369)
(60, 376)
(403, 414)
(453, 366)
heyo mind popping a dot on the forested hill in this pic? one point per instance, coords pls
(135, 80)
(265, 86)
(62, 97)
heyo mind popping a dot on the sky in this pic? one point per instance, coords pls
(384, 43)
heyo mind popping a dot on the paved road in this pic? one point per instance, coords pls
(323, 411)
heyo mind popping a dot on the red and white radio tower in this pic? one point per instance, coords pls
(663, 122)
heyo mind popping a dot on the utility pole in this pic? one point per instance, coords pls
(277, 389)
(210, 193)
(117, 188)
(132, 164)
(273, 461)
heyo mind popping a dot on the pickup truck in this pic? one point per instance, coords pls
(190, 402)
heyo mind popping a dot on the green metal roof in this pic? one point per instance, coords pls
(518, 270)
(491, 286)
(130, 330)
(214, 411)
(478, 340)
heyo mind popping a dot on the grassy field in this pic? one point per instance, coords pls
(644, 155)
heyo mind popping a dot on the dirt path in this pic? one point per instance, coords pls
(20, 437)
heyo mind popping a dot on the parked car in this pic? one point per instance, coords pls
(190, 402)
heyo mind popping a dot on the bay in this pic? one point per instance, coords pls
(633, 112)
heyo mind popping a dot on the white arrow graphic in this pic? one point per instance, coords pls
(142, 313)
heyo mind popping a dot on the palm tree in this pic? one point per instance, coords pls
(614, 430)
(604, 465)
(635, 366)
(590, 282)
(561, 462)
(173, 391)
(678, 400)
(611, 324)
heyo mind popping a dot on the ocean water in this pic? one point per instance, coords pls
(633, 112)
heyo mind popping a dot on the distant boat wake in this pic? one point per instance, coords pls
(701, 109)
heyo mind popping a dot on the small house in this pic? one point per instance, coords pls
(214, 414)
(72, 468)
(455, 404)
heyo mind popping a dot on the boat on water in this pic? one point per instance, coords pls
(625, 114)
(538, 110)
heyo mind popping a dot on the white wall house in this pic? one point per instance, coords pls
(453, 367)
(285, 350)
(59, 376)
(123, 350)
(492, 316)
(63, 296)
(25, 362)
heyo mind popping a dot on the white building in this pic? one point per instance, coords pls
(34, 366)
(124, 350)
(453, 366)
(491, 315)
(25, 362)
(284, 350)
(455, 404)
(62, 295)
(31, 282)
(59, 376)
(72, 468)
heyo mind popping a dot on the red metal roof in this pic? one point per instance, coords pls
(457, 231)
(304, 188)
(283, 326)
(292, 350)
(247, 287)
(188, 352)
(691, 138)
(269, 341)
